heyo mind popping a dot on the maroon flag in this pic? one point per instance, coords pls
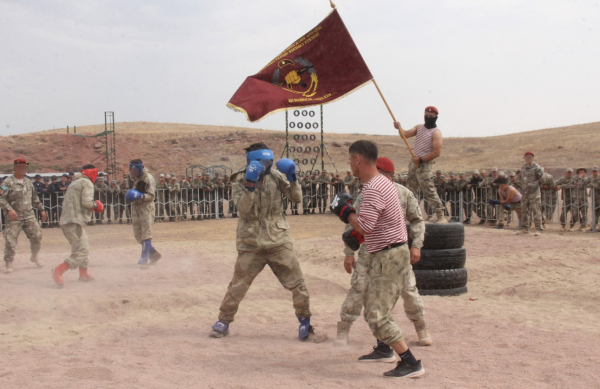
(319, 68)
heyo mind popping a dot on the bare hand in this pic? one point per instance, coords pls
(416, 161)
(43, 216)
(349, 262)
(397, 125)
(12, 215)
(415, 255)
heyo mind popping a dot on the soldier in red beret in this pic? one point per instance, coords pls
(17, 201)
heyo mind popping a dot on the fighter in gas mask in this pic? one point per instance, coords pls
(141, 195)
(263, 238)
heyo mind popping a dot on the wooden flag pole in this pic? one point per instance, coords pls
(391, 113)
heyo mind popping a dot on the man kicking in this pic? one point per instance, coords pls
(77, 207)
(263, 237)
(141, 195)
(382, 226)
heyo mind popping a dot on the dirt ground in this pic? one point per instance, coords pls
(534, 323)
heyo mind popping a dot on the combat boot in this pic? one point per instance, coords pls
(571, 228)
(57, 273)
(38, 262)
(84, 276)
(563, 227)
(9, 267)
(343, 329)
(423, 333)
(583, 227)
(441, 219)
(523, 232)
(314, 337)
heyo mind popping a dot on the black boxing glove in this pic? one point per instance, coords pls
(342, 206)
(353, 239)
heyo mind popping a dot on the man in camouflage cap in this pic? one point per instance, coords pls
(531, 200)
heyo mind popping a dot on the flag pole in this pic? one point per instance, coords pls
(332, 4)
(394, 118)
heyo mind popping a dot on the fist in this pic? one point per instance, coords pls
(287, 167)
(292, 78)
(132, 195)
(12, 214)
(99, 207)
(397, 125)
(253, 172)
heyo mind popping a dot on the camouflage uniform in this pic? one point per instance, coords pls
(162, 198)
(77, 212)
(580, 202)
(174, 190)
(420, 177)
(100, 194)
(185, 197)
(142, 211)
(305, 186)
(440, 189)
(567, 188)
(355, 299)
(451, 192)
(21, 198)
(324, 182)
(594, 185)
(531, 200)
(196, 185)
(549, 198)
(314, 185)
(263, 239)
(350, 184)
(207, 197)
(220, 191)
(113, 199)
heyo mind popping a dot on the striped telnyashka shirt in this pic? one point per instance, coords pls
(423, 141)
(380, 216)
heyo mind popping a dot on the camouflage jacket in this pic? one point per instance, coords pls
(78, 202)
(531, 176)
(146, 185)
(261, 224)
(20, 197)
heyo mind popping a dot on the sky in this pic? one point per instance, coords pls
(490, 67)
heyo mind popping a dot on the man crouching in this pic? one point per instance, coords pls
(77, 207)
(263, 237)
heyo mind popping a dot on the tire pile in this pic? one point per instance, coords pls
(441, 270)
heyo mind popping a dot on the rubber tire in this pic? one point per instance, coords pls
(441, 279)
(443, 292)
(443, 236)
(442, 259)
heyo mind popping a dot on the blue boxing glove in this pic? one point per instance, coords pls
(287, 167)
(253, 172)
(133, 195)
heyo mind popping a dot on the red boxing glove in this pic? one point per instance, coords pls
(99, 206)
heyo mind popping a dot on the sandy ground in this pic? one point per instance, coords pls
(534, 324)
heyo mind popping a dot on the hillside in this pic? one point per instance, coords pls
(166, 147)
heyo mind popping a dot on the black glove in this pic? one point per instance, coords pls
(494, 202)
(342, 206)
(506, 206)
(353, 239)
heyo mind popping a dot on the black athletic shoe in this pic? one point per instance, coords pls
(467, 221)
(481, 222)
(379, 356)
(499, 227)
(404, 370)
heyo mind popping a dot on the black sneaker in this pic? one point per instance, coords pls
(499, 227)
(482, 221)
(404, 370)
(377, 355)
(468, 221)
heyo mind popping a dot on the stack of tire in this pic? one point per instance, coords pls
(441, 270)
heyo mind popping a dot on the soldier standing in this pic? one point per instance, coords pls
(549, 198)
(61, 189)
(324, 182)
(314, 182)
(78, 205)
(124, 188)
(162, 196)
(467, 197)
(305, 186)
(594, 185)
(195, 187)
(220, 191)
(441, 192)
(44, 195)
(565, 185)
(174, 191)
(257, 193)
(452, 195)
(17, 200)
(100, 191)
(531, 174)
(581, 182)
(185, 196)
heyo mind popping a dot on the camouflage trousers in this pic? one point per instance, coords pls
(282, 261)
(353, 305)
(80, 245)
(11, 232)
(531, 204)
(506, 215)
(422, 177)
(142, 220)
(387, 273)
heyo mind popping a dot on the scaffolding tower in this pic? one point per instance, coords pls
(110, 145)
